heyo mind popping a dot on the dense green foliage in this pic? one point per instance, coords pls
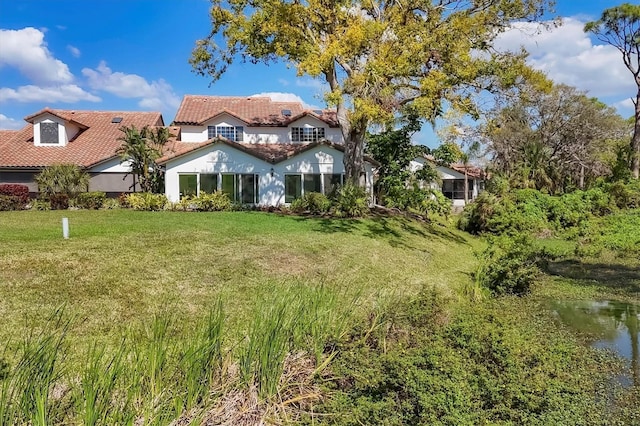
(311, 202)
(10, 202)
(90, 200)
(66, 179)
(417, 363)
(216, 201)
(529, 210)
(146, 201)
(397, 186)
(351, 201)
(510, 266)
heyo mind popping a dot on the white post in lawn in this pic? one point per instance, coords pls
(65, 228)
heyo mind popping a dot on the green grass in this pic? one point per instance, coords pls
(154, 316)
(122, 267)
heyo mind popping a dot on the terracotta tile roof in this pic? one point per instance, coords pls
(271, 153)
(5, 135)
(255, 111)
(472, 171)
(96, 142)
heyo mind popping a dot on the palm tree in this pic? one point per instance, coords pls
(141, 148)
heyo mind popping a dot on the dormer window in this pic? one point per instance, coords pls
(228, 132)
(307, 134)
(49, 133)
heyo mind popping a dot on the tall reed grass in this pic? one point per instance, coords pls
(156, 375)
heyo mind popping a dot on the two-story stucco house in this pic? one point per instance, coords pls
(88, 139)
(254, 149)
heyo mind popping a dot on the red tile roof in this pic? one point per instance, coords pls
(254, 111)
(472, 171)
(271, 153)
(96, 142)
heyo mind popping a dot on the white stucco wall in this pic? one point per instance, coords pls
(111, 166)
(258, 134)
(221, 158)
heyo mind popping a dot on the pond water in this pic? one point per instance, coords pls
(614, 325)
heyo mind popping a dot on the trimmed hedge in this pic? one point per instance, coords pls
(21, 192)
(10, 202)
(91, 200)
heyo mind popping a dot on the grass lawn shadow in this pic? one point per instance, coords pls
(613, 276)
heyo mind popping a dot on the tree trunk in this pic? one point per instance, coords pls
(354, 157)
(352, 133)
(581, 183)
(635, 140)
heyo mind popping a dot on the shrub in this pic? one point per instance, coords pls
(210, 202)
(146, 201)
(66, 179)
(59, 201)
(10, 202)
(437, 203)
(111, 203)
(91, 200)
(510, 265)
(351, 201)
(312, 202)
(625, 196)
(476, 216)
(16, 190)
(40, 205)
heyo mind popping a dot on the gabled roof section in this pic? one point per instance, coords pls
(96, 142)
(271, 153)
(68, 116)
(255, 111)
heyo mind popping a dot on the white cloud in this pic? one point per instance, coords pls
(283, 81)
(286, 97)
(567, 55)
(26, 50)
(156, 95)
(312, 83)
(10, 123)
(74, 51)
(68, 93)
(61, 27)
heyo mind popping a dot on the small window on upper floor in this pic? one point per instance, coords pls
(228, 132)
(307, 134)
(49, 133)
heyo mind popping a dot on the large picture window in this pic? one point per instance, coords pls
(240, 188)
(49, 133)
(307, 134)
(232, 133)
(296, 185)
(454, 189)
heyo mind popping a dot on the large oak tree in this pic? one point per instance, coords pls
(379, 58)
(620, 27)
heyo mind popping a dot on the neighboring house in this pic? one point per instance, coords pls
(452, 179)
(88, 139)
(254, 149)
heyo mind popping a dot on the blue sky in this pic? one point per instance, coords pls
(133, 55)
